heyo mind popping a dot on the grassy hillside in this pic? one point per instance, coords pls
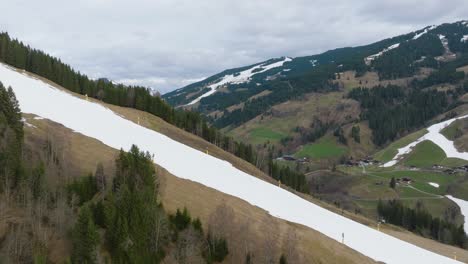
(84, 153)
(324, 148)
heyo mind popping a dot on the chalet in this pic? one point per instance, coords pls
(404, 180)
(287, 158)
(449, 171)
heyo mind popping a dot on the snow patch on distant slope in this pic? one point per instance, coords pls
(444, 42)
(435, 136)
(424, 32)
(25, 122)
(42, 99)
(241, 77)
(433, 184)
(370, 58)
(464, 38)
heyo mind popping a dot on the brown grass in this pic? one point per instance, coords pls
(201, 201)
(348, 79)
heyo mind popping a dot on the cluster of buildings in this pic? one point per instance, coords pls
(362, 162)
(460, 169)
(292, 158)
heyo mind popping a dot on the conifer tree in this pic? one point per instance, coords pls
(85, 238)
(392, 183)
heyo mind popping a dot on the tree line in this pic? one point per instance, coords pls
(19, 55)
(393, 112)
(11, 140)
(136, 227)
(422, 222)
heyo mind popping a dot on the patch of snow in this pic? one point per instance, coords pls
(423, 32)
(314, 62)
(101, 123)
(240, 77)
(286, 70)
(464, 209)
(464, 39)
(38, 118)
(370, 58)
(25, 122)
(435, 136)
(444, 41)
(433, 184)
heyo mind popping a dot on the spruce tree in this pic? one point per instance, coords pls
(392, 183)
(85, 238)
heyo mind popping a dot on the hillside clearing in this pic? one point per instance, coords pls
(326, 147)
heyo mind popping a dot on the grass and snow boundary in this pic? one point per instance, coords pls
(96, 121)
(240, 77)
(435, 136)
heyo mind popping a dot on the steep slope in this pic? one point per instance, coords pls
(83, 153)
(205, 169)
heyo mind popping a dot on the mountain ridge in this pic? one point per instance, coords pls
(341, 59)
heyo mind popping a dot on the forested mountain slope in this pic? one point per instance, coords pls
(288, 104)
(288, 78)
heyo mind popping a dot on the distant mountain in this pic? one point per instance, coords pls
(235, 96)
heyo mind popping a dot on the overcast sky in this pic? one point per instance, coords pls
(166, 44)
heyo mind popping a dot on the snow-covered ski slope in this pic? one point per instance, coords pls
(435, 136)
(96, 121)
(240, 77)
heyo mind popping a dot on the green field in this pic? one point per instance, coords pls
(421, 179)
(389, 152)
(262, 134)
(424, 155)
(326, 147)
(450, 131)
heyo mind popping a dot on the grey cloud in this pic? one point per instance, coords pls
(165, 43)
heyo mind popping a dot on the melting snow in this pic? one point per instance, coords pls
(464, 39)
(424, 32)
(185, 162)
(241, 77)
(444, 42)
(26, 123)
(464, 209)
(433, 184)
(313, 62)
(435, 136)
(369, 59)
